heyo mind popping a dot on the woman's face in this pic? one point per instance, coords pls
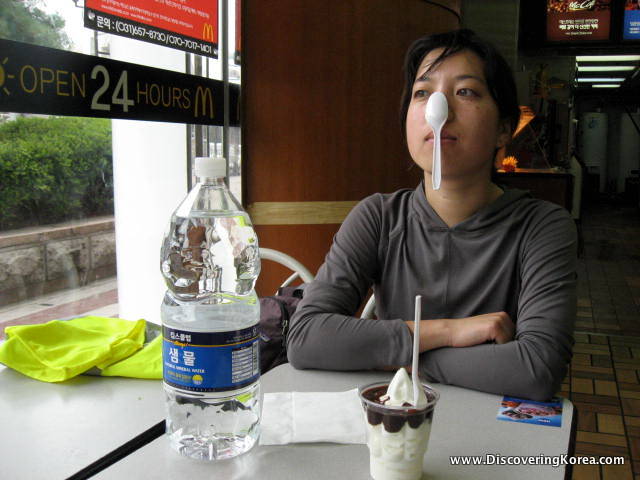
(473, 129)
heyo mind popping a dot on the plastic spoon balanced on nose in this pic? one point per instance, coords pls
(436, 114)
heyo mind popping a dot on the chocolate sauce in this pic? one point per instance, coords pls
(393, 422)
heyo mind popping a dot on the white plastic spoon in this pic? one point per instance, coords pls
(416, 351)
(436, 114)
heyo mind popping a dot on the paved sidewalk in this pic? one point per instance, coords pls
(100, 298)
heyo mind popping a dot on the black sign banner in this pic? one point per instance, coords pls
(44, 80)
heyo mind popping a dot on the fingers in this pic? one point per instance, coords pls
(503, 327)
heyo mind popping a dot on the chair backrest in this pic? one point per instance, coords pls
(369, 308)
(299, 270)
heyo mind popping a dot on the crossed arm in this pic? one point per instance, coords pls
(484, 352)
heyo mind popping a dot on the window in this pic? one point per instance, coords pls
(67, 235)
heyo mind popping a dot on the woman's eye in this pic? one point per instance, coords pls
(467, 92)
(420, 94)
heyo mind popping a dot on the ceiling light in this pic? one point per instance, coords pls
(598, 79)
(608, 58)
(605, 85)
(606, 68)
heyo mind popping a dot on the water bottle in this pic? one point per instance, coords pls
(211, 370)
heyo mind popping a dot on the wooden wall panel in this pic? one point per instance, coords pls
(321, 84)
(306, 243)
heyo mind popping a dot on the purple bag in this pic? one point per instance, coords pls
(275, 313)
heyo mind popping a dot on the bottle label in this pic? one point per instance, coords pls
(211, 361)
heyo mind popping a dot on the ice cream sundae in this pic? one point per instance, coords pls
(397, 430)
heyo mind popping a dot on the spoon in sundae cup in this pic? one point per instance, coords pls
(416, 351)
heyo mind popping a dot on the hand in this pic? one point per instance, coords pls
(465, 332)
(490, 327)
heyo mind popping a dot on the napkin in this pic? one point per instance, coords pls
(302, 417)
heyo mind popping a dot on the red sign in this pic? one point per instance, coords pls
(578, 20)
(238, 52)
(190, 25)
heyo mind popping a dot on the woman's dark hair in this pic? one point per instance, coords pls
(497, 72)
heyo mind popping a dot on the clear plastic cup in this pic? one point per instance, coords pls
(397, 436)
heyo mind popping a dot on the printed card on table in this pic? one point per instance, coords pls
(527, 411)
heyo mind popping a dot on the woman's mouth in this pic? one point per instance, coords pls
(445, 137)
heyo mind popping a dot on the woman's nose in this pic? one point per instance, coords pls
(450, 109)
(450, 112)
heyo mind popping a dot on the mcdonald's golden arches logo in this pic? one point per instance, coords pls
(207, 32)
(204, 102)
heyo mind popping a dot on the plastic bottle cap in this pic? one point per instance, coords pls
(210, 167)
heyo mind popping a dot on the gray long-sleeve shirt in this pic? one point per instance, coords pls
(517, 255)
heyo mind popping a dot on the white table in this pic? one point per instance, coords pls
(464, 424)
(52, 430)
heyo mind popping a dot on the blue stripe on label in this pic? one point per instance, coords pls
(223, 364)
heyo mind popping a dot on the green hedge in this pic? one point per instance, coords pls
(54, 169)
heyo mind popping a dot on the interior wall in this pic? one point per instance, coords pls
(320, 112)
(629, 147)
(483, 17)
(622, 142)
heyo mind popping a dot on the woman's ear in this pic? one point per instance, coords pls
(504, 134)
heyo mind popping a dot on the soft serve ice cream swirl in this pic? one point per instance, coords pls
(397, 454)
(400, 391)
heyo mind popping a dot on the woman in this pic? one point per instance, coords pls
(495, 268)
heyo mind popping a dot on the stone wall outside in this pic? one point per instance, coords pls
(40, 260)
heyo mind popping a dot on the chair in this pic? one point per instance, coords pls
(299, 270)
(369, 308)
